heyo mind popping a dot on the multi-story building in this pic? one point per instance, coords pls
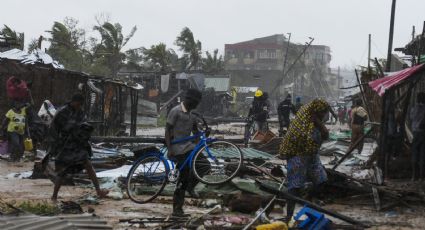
(261, 63)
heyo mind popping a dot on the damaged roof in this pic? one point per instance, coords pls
(37, 56)
(381, 85)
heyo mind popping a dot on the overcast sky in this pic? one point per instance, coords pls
(343, 25)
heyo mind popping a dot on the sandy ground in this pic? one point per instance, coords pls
(16, 190)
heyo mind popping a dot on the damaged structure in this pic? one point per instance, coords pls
(107, 100)
(263, 62)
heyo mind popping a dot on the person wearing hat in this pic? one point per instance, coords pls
(260, 109)
(284, 110)
(182, 123)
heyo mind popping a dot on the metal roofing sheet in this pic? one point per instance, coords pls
(37, 56)
(33, 222)
(382, 84)
(248, 154)
(218, 84)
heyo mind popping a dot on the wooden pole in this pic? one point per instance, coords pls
(369, 51)
(292, 65)
(379, 67)
(289, 196)
(391, 37)
(362, 92)
(351, 149)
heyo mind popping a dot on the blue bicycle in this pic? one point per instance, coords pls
(212, 162)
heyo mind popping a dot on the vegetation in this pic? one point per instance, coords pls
(109, 51)
(67, 44)
(159, 57)
(213, 63)
(101, 51)
(13, 37)
(192, 50)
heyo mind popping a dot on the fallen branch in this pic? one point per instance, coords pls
(286, 195)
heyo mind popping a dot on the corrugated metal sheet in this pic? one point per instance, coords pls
(32, 222)
(218, 84)
(37, 56)
(382, 84)
(248, 154)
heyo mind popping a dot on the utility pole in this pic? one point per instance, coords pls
(413, 38)
(307, 45)
(413, 33)
(420, 44)
(286, 58)
(339, 81)
(286, 53)
(368, 56)
(391, 37)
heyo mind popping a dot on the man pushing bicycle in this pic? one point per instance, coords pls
(182, 123)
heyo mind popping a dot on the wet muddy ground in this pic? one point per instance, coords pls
(15, 190)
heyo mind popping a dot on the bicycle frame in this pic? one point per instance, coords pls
(203, 141)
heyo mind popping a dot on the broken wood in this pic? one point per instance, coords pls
(140, 139)
(370, 185)
(351, 149)
(170, 100)
(286, 195)
(265, 172)
(363, 94)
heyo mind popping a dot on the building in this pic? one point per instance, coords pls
(347, 79)
(261, 63)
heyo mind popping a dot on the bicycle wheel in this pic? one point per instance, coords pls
(217, 162)
(147, 178)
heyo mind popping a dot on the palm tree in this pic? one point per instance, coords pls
(213, 63)
(67, 44)
(33, 45)
(12, 37)
(112, 44)
(159, 57)
(192, 50)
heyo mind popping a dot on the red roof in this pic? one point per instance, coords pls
(382, 84)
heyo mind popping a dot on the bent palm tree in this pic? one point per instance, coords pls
(192, 50)
(112, 44)
(12, 37)
(159, 57)
(213, 63)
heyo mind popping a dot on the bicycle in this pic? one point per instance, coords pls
(152, 171)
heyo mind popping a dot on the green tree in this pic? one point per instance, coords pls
(14, 38)
(213, 64)
(33, 45)
(159, 57)
(109, 51)
(192, 50)
(134, 58)
(67, 44)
